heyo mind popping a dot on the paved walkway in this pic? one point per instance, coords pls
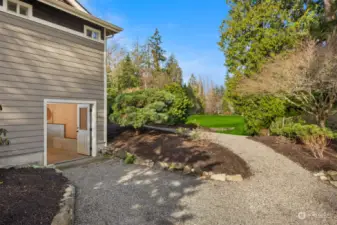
(112, 193)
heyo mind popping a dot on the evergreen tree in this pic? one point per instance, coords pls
(192, 82)
(173, 70)
(257, 30)
(158, 54)
(127, 75)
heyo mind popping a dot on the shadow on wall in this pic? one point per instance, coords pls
(131, 195)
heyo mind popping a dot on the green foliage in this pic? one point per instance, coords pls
(299, 130)
(195, 93)
(179, 111)
(127, 75)
(314, 137)
(173, 70)
(257, 31)
(142, 107)
(231, 124)
(3, 133)
(130, 158)
(260, 111)
(158, 53)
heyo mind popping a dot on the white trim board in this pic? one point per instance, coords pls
(63, 101)
(71, 10)
(49, 24)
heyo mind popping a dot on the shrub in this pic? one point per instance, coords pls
(130, 158)
(259, 111)
(179, 111)
(313, 136)
(3, 133)
(3, 139)
(142, 107)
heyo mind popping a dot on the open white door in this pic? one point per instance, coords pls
(83, 129)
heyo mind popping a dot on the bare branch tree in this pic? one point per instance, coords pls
(306, 78)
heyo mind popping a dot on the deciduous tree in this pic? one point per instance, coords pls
(306, 78)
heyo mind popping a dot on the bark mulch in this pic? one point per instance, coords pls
(160, 146)
(30, 196)
(300, 154)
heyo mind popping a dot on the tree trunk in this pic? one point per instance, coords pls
(322, 123)
(329, 13)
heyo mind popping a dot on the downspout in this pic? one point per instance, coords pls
(106, 88)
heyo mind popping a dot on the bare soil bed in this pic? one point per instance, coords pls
(300, 154)
(30, 196)
(160, 146)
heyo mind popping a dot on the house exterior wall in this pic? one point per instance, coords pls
(58, 17)
(38, 62)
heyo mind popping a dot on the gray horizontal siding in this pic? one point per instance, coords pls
(25, 74)
(53, 55)
(37, 63)
(41, 68)
(32, 26)
(7, 77)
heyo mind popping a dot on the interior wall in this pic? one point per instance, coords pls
(64, 114)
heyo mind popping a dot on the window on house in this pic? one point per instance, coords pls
(18, 7)
(11, 6)
(92, 33)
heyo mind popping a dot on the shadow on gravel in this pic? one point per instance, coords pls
(112, 193)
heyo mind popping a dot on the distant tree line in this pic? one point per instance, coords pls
(147, 66)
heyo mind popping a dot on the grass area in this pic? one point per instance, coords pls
(235, 124)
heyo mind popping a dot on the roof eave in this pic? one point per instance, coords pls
(83, 15)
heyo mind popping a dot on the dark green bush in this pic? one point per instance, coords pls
(142, 107)
(259, 111)
(313, 136)
(179, 111)
(130, 158)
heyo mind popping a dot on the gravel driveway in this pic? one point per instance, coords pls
(280, 192)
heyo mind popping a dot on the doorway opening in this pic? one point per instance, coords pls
(69, 131)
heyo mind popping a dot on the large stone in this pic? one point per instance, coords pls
(164, 165)
(219, 177)
(235, 178)
(144, 162)
(120, 153)
(321, 173)
(324, 178)
(187, 169)
(333, 175)
(197, 170)
(334, 183)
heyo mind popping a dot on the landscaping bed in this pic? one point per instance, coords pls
(171, 148)
(30, 196)
(301, 154)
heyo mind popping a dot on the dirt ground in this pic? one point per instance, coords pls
(30, 196)
(301, 154)
(161, 146)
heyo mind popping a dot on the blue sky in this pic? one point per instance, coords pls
(189, 29)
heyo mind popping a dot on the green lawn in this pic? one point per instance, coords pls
(235, 124)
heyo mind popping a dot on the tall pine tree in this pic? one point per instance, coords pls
(173, 70)
(127, 75)
(158, 53)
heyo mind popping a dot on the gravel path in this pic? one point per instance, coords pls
(112, 193)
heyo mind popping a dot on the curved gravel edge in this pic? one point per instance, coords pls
(67, 208)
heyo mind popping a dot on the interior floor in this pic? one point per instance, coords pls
(59, 155)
